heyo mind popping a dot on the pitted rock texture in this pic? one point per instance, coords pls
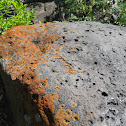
(65, 74)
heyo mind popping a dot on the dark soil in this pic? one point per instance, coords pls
(5, 111)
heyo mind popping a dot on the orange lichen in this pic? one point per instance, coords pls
(23, 47)
(76, 117)
(83, 123)
(64, 70)
(74, 104)
(66, 43)
(61, 106)
(63, 117)
(70, 69)
(58, 88)
(71, 49)
(87, 117)
(92, 114)
(46, 63)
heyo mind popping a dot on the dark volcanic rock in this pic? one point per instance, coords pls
(73, 78)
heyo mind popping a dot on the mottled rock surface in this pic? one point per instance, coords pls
(65, 74)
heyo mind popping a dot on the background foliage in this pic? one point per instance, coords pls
(107, 11)
(13, 17)
(14, 13)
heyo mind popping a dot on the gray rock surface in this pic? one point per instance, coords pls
(99, 83)
(88, 72)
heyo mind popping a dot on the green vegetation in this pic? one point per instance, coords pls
(14, 13)
(99, 10)
(13, 17)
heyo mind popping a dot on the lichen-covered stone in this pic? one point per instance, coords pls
(65, 74)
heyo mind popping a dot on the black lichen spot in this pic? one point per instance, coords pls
(77, 79)
(104, 94)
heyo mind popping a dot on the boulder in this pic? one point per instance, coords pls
(65, 74)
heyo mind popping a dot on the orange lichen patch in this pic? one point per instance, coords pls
(76, 117)
(87, 117)
(24, 46)
(66, 43)
(61, 106)
(58, 88)
(13, 45)
(70, 69)
(46, 63)
(68, 113)
(74, 104)
(83, 123)
(26, 43)
(46, 106)
(92, 114)
(64, 70)
(71, 49)
(55, 96)
(56, 26)
(58, 47)
(73, 29)
(63, 117)
(61, 58)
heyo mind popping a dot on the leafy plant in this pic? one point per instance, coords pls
(99, 10)
(13, 13)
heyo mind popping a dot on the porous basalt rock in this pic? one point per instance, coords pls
(65, 74)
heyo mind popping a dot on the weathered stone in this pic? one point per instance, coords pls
(65, 74)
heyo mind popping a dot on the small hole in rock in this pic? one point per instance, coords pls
(77, 79)
(93, 83)
(104, 94)
(101, 118)
(95, 63)
(63, 37)
(76, 40)
(75, 86)
(32, 77)
(66, 80)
